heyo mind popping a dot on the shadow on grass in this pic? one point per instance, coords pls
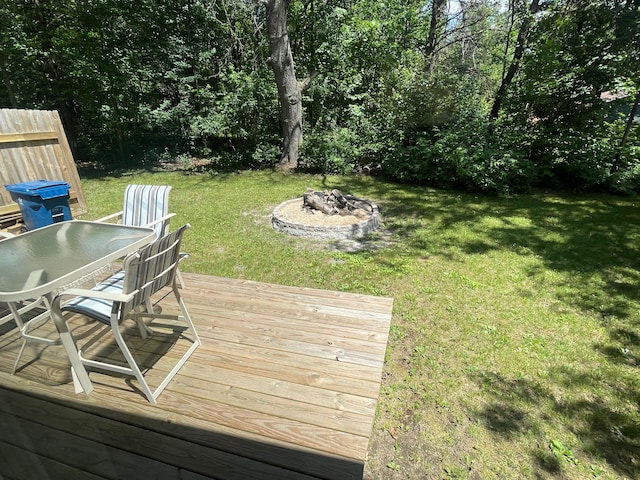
(593, 244)
(605, 431)
(593, 239)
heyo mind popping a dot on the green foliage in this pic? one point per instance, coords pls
(575, 159)
(330, 152)
(241, 111)
(265, 154)
(335, 149)
(575, 54)
(134, 81)
(465, 153)
(460, 159)
(562, 452)
(627, 179)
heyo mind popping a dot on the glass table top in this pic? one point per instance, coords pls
(39, 261)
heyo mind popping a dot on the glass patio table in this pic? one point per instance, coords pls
(35, 264)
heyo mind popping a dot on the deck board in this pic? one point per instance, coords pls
(285, 385)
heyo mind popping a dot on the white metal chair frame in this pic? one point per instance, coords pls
(117, 299)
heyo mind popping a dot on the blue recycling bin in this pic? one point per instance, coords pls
(41, 202)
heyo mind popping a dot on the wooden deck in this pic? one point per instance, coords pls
(284, 386)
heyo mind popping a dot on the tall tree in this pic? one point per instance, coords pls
(627, 45)
(289, 93)
(289, 89)
(515, 61)
(436, 23)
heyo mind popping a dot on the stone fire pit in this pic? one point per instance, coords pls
(326, 215)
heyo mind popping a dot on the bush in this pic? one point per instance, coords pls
(567, 159)
(469, 156)
(331, 152)
(627, 178)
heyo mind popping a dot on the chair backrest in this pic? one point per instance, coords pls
(152, 267)
(144, 204)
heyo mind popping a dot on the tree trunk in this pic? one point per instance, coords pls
(515, 61)
(289, 92)
(632, 115)
(8, 84)
(438, 8)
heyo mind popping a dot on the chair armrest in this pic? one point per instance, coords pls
(111, 296)
(160, 220)
(110, 217)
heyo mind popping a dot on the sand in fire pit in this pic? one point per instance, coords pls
(294, 212)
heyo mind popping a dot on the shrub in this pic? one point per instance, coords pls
(464, 155)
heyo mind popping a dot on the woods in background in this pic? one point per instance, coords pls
(486, 95)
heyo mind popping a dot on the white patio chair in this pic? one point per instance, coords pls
(117, 299)
(146, 206)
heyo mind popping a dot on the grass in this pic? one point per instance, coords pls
(514, 350)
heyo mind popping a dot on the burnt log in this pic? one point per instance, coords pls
(316, 201)
(334, 202)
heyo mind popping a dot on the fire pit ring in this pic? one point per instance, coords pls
(301, 228)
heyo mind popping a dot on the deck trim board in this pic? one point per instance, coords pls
(89, 455)
(285, 385)
(20, 464)
(198, 430)
(132, 439)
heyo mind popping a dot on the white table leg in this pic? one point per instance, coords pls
(81, 379)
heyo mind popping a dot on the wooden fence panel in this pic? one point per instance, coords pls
(33, 146)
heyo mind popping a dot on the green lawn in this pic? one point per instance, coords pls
(514, 350)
